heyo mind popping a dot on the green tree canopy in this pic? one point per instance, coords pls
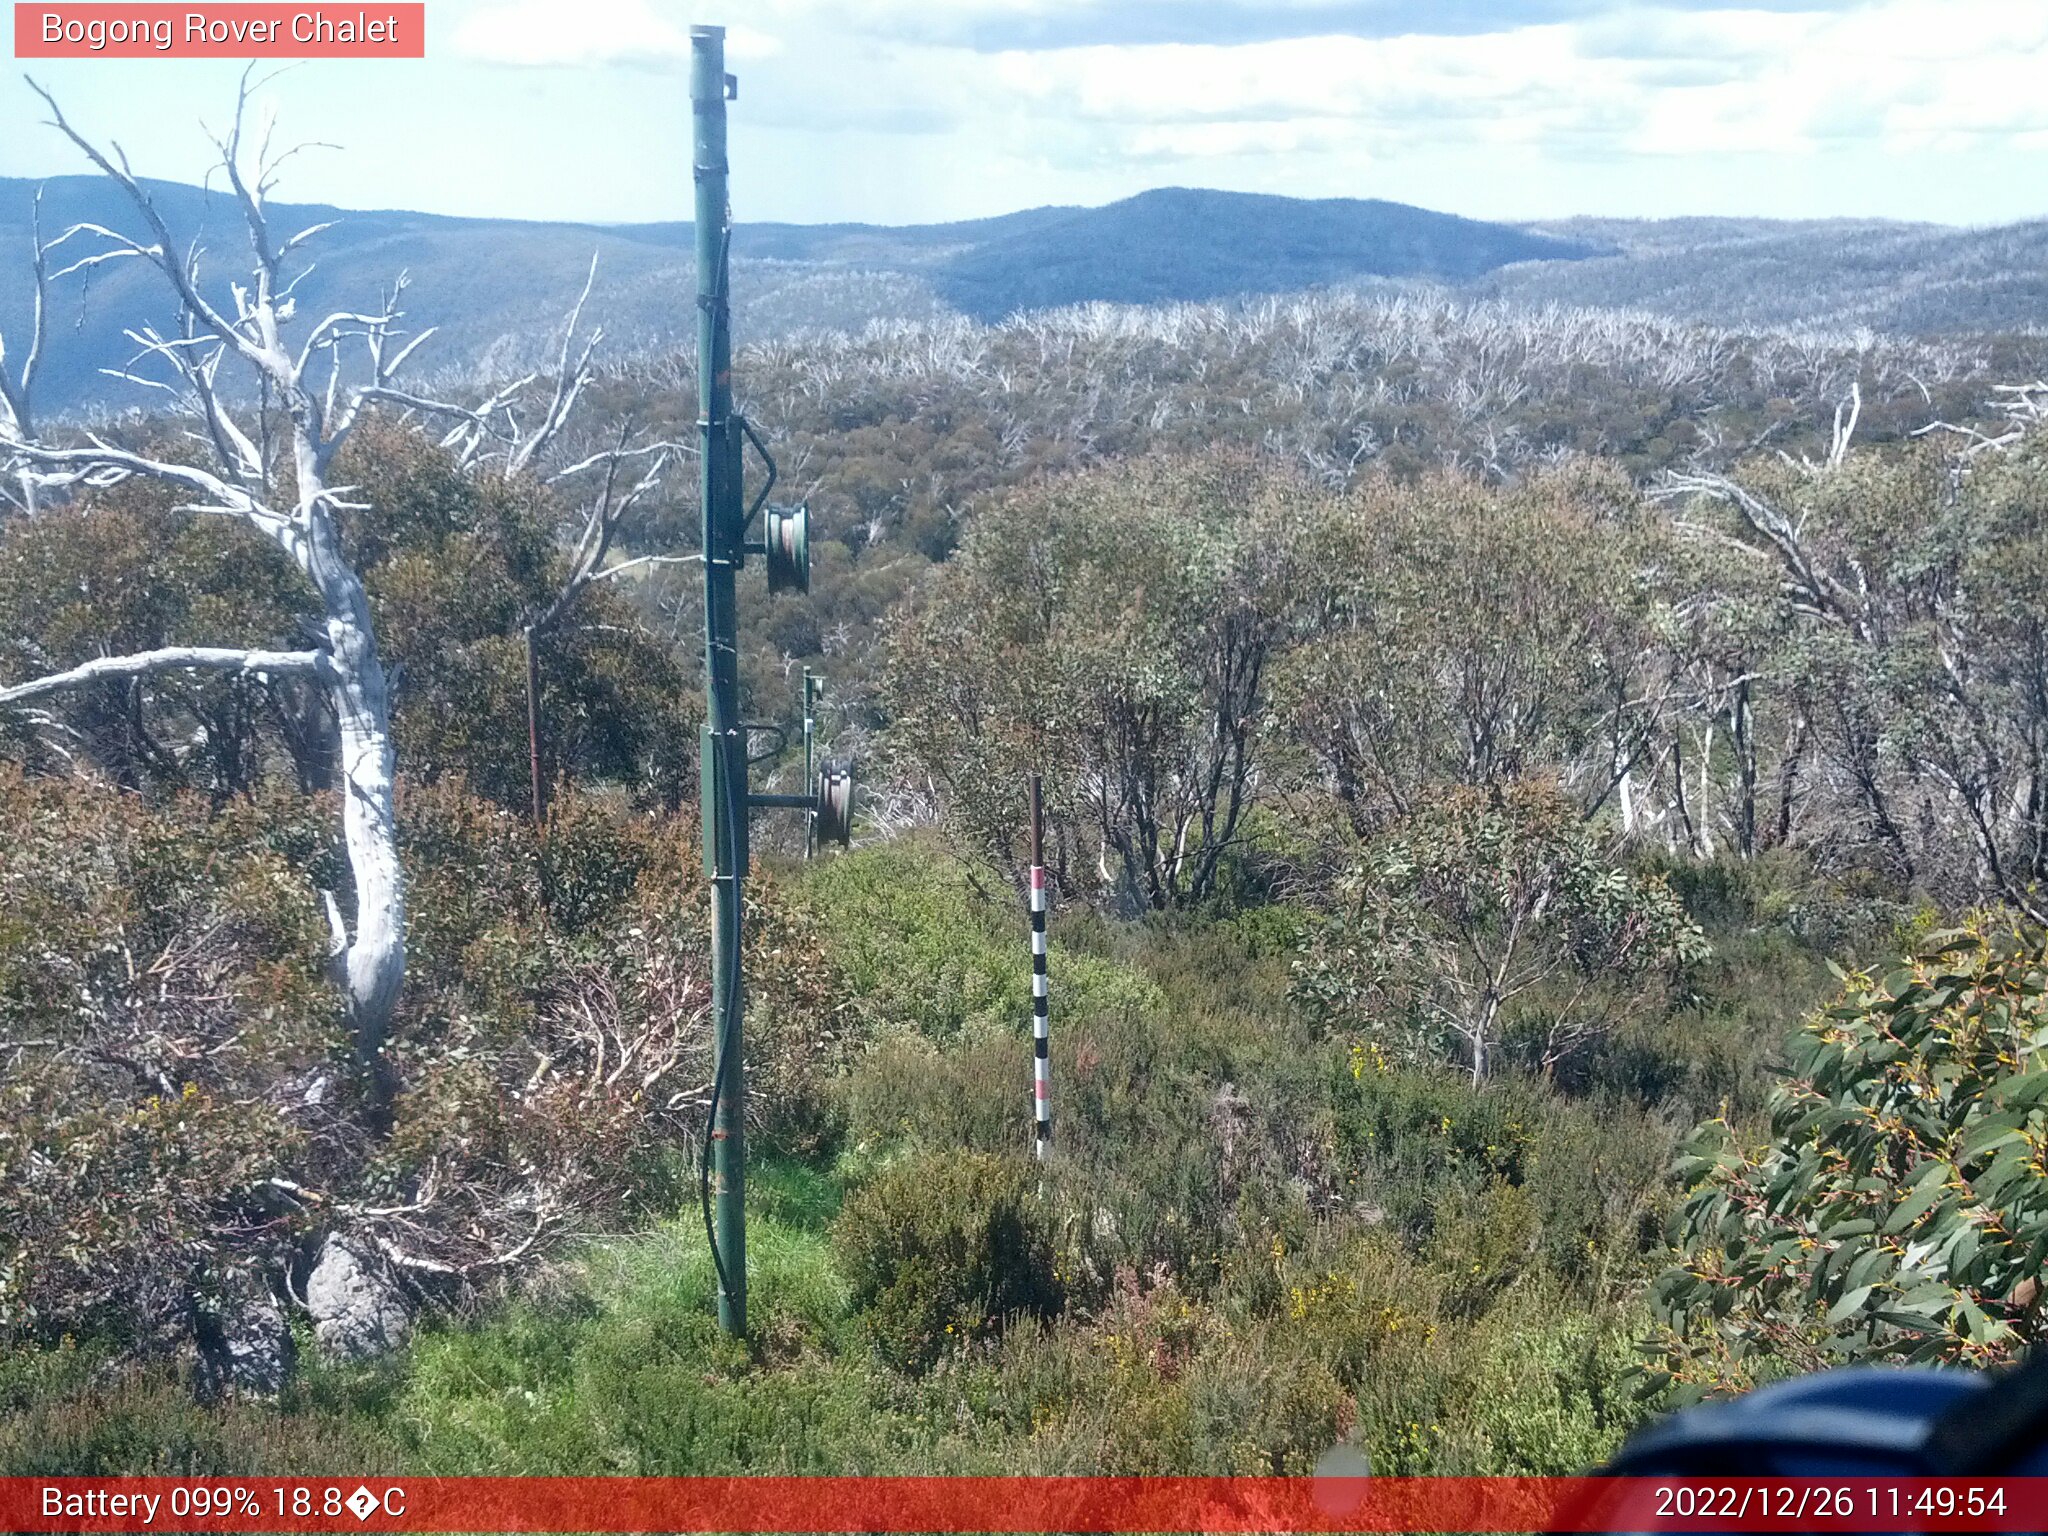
(1113, 630)
(1475, 636)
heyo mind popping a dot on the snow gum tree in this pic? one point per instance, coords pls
(267, 399)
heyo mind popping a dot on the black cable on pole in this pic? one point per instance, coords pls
(725, 1031)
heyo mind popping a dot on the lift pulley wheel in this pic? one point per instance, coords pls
(788, 537)
(835, 804)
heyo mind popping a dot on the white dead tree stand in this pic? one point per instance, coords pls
(17, 387)
(266, 417)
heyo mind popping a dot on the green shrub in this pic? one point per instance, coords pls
(160, 981)
(1343, 1340)
(1494, 918)
(1899, 1210)
(1772, 923)
(1544, 1390)
(915, 947)
(904, 1092)
(594, 855)
(1575, 1181)
(942, 1250)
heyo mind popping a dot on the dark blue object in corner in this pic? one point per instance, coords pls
(1865, 1420)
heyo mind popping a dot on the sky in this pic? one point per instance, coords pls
(921, 111)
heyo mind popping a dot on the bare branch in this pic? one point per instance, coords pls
(171, 659)
(1844, 430)
(1822, 593)
(642, 560)
(318, 336)
(102, 465)
(611, 455)
(305, 234)
(251, 347)
(569, 381)
(602, 521)
(473, 424)
(248, 198)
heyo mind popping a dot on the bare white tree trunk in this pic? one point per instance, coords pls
(17, 388)
(375, 958)
(1705, 814)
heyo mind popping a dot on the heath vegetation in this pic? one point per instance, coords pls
(1548, 823)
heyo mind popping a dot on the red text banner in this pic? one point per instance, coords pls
(220, 31)
(1020, 1504)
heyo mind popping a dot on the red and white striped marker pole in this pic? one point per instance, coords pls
(1041, 1066)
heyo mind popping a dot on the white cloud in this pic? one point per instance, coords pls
(1738, 81)
(1208, 141)
(545, 33)
(1735, 34)
(1599, 93)
(1639, 79)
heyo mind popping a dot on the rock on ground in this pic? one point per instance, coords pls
(358, 1309)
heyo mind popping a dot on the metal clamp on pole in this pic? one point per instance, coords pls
(835, 804)
(761, 496)
(788, 547)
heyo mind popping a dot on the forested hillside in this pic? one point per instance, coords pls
(493, 287)
(1823, 274)
(1182, 244)
(493, 284)
(1520, 782)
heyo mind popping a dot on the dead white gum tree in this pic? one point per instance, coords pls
(266, 416)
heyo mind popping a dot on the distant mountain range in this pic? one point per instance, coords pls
(1823, 274)
(1176, 244)
(498, 288)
